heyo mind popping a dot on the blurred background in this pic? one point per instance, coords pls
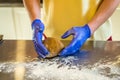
(15, 23)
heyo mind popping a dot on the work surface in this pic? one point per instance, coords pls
(97, 60)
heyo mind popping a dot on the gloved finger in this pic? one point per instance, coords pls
(68, 33)
(67, 51)
(71, 48)
(37, 36)
(38, 52)
(41, 50)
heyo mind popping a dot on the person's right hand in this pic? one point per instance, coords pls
(38, 28)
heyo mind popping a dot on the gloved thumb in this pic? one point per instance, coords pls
(67, 33)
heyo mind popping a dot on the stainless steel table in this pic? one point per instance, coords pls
(96, 60)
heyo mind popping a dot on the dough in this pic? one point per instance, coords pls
(54, 46)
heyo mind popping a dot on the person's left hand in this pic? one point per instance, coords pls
(80, 35)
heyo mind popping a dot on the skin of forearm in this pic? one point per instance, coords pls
(33, 8)
(105, 10)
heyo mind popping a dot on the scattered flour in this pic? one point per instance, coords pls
(63, 69)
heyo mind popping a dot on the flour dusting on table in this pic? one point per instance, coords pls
(64, 69)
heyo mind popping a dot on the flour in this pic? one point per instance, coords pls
(63, 69)
(7, 67)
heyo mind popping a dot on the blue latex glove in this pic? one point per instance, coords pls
(80, 35)
(38, 28)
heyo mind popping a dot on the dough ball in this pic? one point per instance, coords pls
(54, 46)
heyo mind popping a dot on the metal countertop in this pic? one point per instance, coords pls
(18, 61)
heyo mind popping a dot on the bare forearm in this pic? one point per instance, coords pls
(105, 10)
(33, 8)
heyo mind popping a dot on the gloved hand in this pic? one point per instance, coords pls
(38, 28)
(80, 35)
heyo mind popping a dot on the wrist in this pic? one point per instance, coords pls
(37, 24)
(35, 21)
(92, 28)
(87, 28)
(94, 25)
